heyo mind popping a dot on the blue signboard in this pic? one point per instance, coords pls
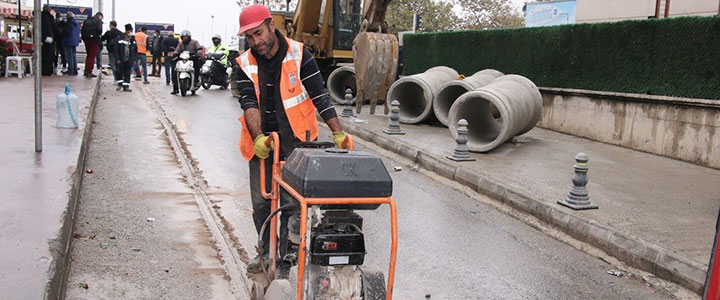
(81, 13)
(550, 13)
(164, 28)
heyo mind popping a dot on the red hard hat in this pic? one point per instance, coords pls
(252, 16)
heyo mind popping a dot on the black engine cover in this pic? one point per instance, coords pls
(335, 173)
(331, 245)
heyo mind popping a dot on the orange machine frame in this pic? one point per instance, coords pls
(274, 197)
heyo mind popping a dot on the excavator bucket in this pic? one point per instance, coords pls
(375, 56)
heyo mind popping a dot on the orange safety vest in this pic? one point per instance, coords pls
(298, 106)
(141, 39)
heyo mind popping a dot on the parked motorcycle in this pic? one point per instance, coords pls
(185, 69)
(213, 72)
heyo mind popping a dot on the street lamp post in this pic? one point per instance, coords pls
(212, 21)
(37, 54)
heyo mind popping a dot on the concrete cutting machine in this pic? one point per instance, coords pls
(324, 248)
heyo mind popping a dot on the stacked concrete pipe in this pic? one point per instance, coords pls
(339, 80)
(416, 93)
(450, 91)
(508, 106)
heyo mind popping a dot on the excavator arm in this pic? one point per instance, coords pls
(375, 56)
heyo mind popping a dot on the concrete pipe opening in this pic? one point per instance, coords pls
(447, 96)
(485, 115)
(414, 99)
(416, 93)
(509, 106)
(339, 80)
(450, 91)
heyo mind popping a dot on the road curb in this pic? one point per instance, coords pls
(627, 248)
(61, 247)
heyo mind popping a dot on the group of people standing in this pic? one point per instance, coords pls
(61, 37)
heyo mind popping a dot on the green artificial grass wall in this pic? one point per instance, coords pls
(674, 57)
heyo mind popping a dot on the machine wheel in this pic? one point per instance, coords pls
(280, 289)
(257, 292)
(205, 82)
(184, 86)
(373, 284)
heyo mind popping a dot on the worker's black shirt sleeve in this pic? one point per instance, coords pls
(310, 78)
(247, 90)
(315, 86)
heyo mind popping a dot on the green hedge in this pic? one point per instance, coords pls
(674, 57)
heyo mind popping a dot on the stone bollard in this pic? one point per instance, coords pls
(578, 198)
(347, 110)
(394, 125)
(461, 152)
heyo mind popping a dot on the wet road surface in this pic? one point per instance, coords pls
(451, 245)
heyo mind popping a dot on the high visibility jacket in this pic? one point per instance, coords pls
(298, 105)
(219, 49)
(141, 39)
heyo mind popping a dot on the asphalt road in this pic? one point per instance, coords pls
(451, 246)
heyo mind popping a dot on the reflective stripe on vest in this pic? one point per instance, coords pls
(297, 104)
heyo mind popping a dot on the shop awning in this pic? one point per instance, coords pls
(5, 11)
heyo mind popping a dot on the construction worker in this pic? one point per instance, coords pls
(141, 38)
(280, 89)
(124, 49)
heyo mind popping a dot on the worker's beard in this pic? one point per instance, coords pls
(267, 45)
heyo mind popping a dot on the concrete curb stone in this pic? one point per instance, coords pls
(61, 247)
(629, 249)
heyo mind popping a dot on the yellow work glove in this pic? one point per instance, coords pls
(262, 151)
(339, 138)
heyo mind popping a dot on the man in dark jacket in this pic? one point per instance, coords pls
(124, 48)
(168, 47)
(156, 51)
(49, 29)
(70, 41)
(91, 33)
(108, 37)
(193, 46)
(59, 52)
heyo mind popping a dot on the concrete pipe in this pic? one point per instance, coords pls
(416, 93)
(510, 105)
(339, 80)
(450, 91)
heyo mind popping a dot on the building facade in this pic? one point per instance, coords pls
(547, 13)
(590, 11)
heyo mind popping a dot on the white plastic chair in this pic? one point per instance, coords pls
(16, 64)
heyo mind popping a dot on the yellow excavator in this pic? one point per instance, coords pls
(345, 31)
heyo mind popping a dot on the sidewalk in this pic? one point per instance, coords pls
(40, 188)
(656, 213)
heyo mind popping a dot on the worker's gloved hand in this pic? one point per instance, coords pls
(262, 151)
(339, 137)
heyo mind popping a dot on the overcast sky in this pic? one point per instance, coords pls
(192, 15)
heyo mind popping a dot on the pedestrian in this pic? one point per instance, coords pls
(280, 89)
(157, 49)
(60, 61)
(49, 29)
(124, 50)
(98, 58)
(91, 33)
(168, 47)
(71, 39)
(108, 37)
(141, 38)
